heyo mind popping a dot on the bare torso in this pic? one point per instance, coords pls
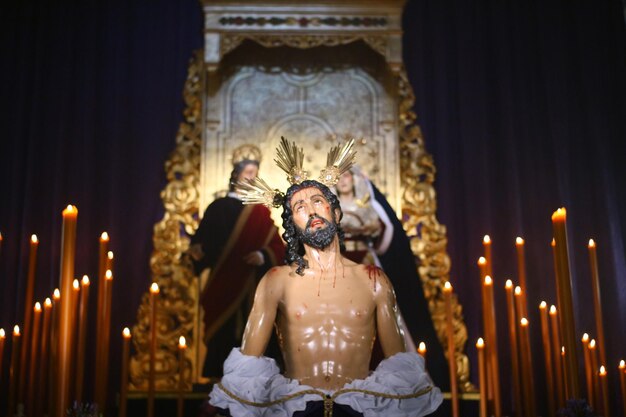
(326, 324)
(327, 319)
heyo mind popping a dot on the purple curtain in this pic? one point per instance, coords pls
(523, 107)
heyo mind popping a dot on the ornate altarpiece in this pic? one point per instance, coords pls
(315, 73)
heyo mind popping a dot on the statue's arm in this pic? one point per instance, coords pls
(261, 319)
(387, 318)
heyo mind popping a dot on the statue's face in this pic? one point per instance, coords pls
(248, 173)
(313, 218)
(345, 185)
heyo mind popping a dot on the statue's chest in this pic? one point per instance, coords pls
(321, 302)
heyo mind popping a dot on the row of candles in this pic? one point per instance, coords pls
(557, 326)
(182, 346)
(47, 366)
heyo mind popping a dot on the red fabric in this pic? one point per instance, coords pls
(232, 279)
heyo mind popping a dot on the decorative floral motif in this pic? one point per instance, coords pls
(304, 21)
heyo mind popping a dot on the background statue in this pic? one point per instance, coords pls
(374, 235)
(239, 244)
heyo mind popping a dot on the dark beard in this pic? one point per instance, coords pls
(318, 239)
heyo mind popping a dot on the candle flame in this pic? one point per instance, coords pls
(110, 254)
(85, 280)
(592, 344)
(154, 288)
(38, 307)
(488, 280)
(104, 236)
(559, 215)
(56, 294)
(70, 209)
(3, 335)
(585, 338)
(480, 343)
(592, 244)
(108, 275)
(508, 284)
(482, 261)
(182, 343)
(519, 241)
(486, 239)
(518, 290)
(562, 350)
(543, 305)
(76, 284)
(622, 364)
(552, 310)
(421, 348)
(126, 333)
(523, 321)
(16, 330)
(602, 371)
(47, 303)
(33, 239)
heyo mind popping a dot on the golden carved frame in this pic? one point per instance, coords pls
(178, 304)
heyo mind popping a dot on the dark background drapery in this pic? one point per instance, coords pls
(522, 105)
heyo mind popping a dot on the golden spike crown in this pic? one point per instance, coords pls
(257, 191)
(246, 152)
(290, 159)
(339, 160)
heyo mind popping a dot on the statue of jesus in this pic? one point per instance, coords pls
(327, 312)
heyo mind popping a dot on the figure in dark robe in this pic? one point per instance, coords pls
(239, 243)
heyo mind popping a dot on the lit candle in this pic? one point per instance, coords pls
(597, 301)
(2, 338)
(110, 259)
(82, 335)
(588, 370)
(32, 382)
(565, 380)
(527, 369)
(622, 382)
(547, 356)
(66, 315)
(14, 370)
(519, 307)
(28, 302)
(447, 296)
(482, 267)
(154, 292)
(488, 258)
(103, 247)
(492, 343)
(593, 354)
(558, 361)
(512, 321)
(482, 376)
(53, 364)
(124, 381)
(521, 273)
(421, 349)
(105, 338)
(43, 358)
(565, 302)
(182, 345)
(605, 391)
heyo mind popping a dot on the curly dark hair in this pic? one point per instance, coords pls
(295, 248)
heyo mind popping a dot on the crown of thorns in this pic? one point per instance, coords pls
(289, 158)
